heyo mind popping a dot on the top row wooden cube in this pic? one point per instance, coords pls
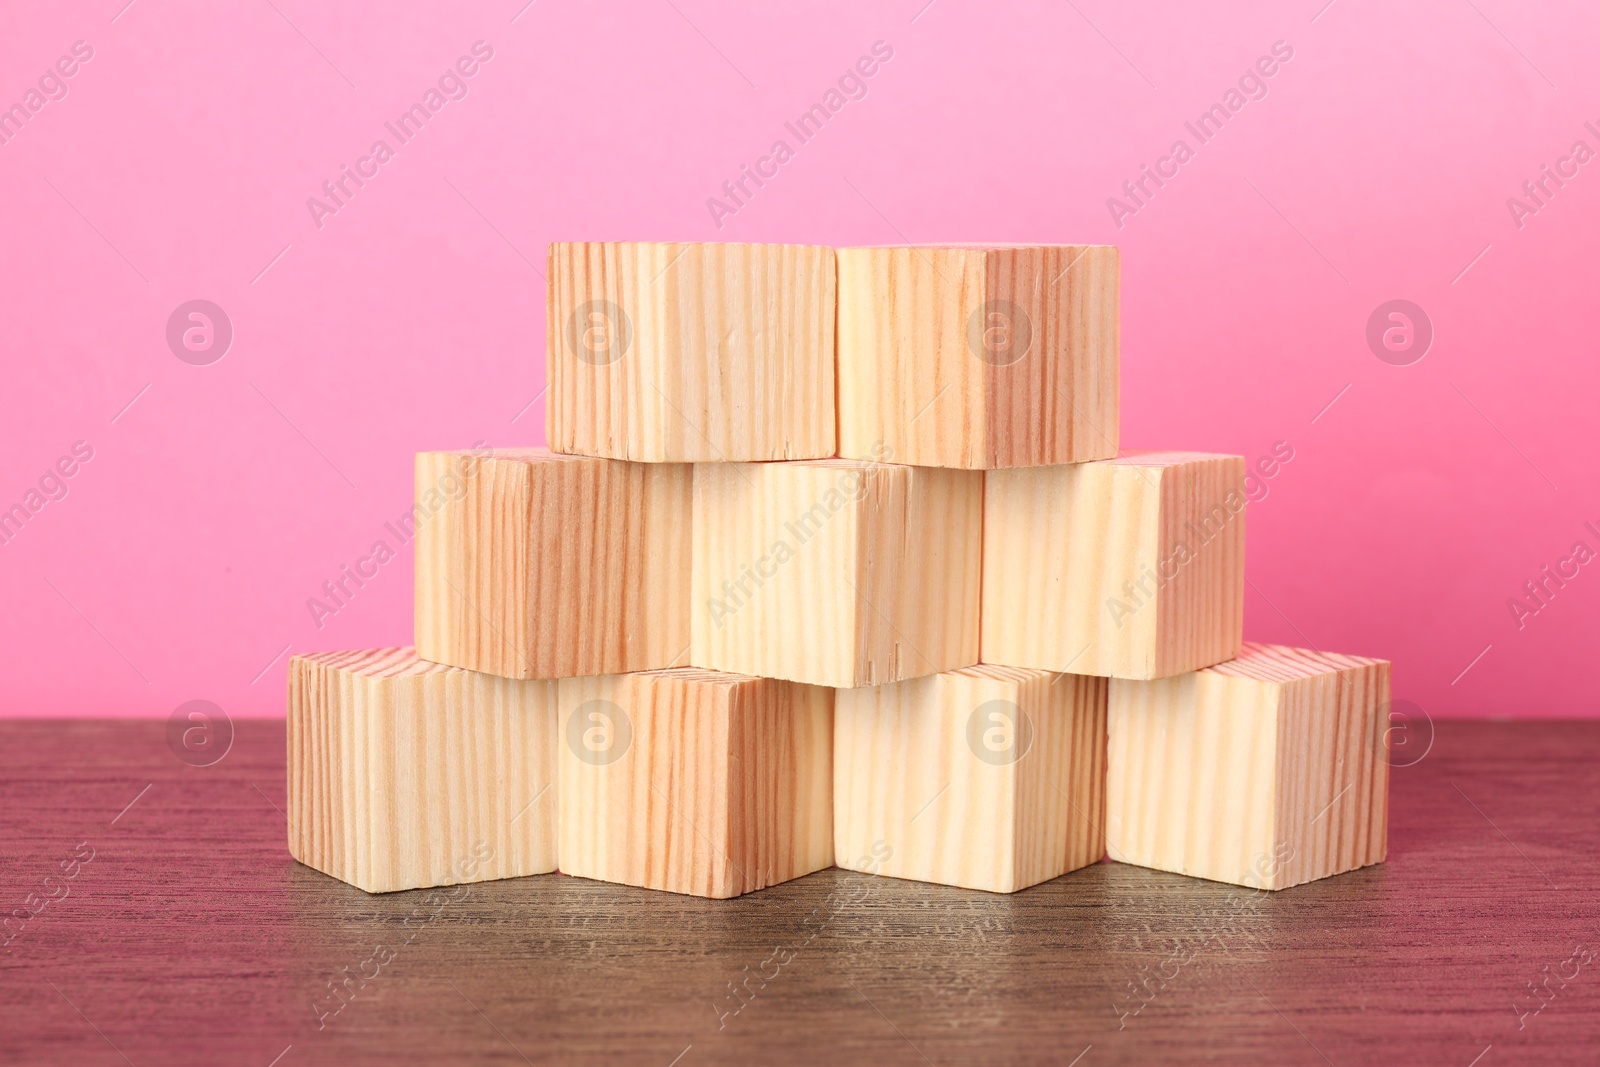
(690, 353)
(967, 357)
(979, 358)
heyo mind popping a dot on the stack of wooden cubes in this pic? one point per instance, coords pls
(833, 559)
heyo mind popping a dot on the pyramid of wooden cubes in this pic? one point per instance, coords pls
(833, 557)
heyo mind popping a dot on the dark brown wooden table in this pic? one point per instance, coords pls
(191, 937)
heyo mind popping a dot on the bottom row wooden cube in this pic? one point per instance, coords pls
(1268, 771)
(405, 774)
(695, 781)
(986, 778)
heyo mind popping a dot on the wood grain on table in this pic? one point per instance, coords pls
(188, 936)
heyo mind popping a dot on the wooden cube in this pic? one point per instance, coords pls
(979, 357)
(835, 572)
(695, 782)
(987, 778)
(1266, 771)
(669, 352)
(405, 774)
(1128, 568)
(537, 565)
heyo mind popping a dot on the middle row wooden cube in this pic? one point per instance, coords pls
(835, 572)
(531, 564)
(843, 573)
(848, 574)
(1126, 568)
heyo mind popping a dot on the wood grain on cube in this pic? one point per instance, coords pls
(1126, 568)
(1267, 771)
(694, 781)
(987, 778)
(405, 773)
(835, 572)
(675, 352)
(532, 564)
(979, 357)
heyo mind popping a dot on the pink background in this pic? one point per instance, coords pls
(1377, 167)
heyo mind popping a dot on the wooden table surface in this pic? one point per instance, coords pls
(191, 937)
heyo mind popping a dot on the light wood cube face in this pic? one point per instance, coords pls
(405, 774)
(987, 778)
(835, 572)
(979, 358)
(666, 352)
(695, 782)
(1267, 771)
(537, 565)
(1125, 568)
